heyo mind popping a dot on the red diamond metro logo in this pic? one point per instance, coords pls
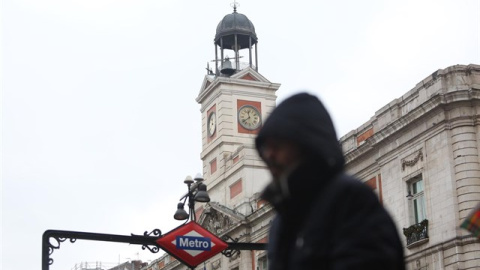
(191, 244)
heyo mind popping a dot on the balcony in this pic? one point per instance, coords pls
(416, 234)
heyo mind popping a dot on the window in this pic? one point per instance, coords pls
(236, 188)
(213, 166)
(417, 233)
(417, 199)
(262, 263)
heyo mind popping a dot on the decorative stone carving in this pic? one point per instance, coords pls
(217, 264)
(412, 162)
(217, 222)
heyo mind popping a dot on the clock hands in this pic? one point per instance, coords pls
(248, 113)
(251, 119)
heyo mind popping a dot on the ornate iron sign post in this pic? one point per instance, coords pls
(150, 240)
(147, 241)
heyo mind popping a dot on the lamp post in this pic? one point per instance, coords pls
(197, 192)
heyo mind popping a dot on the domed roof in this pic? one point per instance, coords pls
(235, 23)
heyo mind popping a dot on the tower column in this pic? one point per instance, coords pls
(221, 51)
(235, 46)
(250, 51)
(216, 60)
(256, 57)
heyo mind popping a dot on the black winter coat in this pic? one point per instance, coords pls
(325, 218)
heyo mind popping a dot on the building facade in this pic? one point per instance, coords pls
(420, 153)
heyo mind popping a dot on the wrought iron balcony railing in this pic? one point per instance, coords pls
(417, 233)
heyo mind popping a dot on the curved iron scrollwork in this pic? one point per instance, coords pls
(153, 249)
(228, 238)
(53, 246)
(155, 232)
(230, 252)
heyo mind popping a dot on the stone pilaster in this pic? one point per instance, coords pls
(466, 167)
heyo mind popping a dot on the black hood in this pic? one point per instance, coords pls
(304, 120)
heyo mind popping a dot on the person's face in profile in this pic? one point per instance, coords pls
(280, 155)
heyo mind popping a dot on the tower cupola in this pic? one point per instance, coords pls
(235, 34)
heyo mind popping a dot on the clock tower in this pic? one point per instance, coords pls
(235, 99)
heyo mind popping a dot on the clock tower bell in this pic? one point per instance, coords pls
(235, 99)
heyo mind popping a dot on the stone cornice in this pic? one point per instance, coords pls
(458, 241)
(218, 82)
(417, 114)
(265, 210)
(445, 95)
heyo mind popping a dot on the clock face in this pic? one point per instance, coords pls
(212, 124)
(249, 117)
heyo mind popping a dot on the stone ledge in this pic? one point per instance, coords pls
(418, 243)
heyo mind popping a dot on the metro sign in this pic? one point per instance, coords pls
(191, 244)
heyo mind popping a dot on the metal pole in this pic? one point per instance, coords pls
(193, 187)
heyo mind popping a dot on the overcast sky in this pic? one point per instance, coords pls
(100, 122)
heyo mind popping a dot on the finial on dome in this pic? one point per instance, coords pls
(235, 4)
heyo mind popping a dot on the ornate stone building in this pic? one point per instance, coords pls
(421, 153)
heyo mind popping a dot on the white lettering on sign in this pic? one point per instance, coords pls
(193, 243)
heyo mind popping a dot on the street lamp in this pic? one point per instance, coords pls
(180, 214)
(197, 191)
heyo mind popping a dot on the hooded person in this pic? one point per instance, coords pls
(325, 219)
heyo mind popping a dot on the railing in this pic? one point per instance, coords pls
(416, 232)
